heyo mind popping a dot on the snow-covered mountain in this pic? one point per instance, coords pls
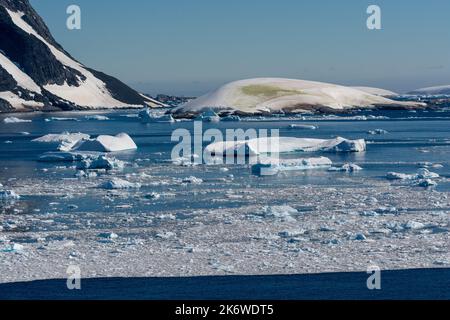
(289, 95)
(36, 73)
(439, 90)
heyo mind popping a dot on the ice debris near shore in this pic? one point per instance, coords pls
(254, 147)
(272, 167)
(148, 116)
(208, 115)
(104, 143)
(117, 184)
(64, 141)
(11, 120)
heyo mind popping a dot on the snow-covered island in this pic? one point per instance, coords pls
(271, 95)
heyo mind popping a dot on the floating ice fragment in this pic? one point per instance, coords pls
(10, 120)
(302, 126)
(284, 213)
(399, 176)
(192, 180)
(348, 167)
(426, 183)
(102, 162)
(426, 174)
(413, 225)
(7, 195)
(97, 117)
(117, 183)
(359, 237)
(148, 116)
(231, 118)
(377, 132)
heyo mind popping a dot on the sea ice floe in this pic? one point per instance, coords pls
(104, 143)
(64, 141)
(117, 183)
(413, 225)
(254, 147)
(60, 119)
(426, 174)
(14, 248)
(10, 120)
(271, 167)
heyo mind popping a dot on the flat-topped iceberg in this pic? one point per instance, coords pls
(254, 147)
(273, 167)
(104, 143)
(64, 141)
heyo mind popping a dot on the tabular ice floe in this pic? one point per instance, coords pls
(254, 147)
(10, 120)
(148, 116)
(117, 184)
(272, 167)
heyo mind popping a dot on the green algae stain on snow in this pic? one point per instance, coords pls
(267, 91)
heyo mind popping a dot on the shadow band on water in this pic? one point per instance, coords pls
(418, 284)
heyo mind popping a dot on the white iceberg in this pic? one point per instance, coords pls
(192, 180)
(259, 146)
(103, 143)
(283, 213)
(377, 132)
(422, 174)
(117, 183)
(425, 183)
(66, 156)
(426, 174)
(15, 120)
(64, 141)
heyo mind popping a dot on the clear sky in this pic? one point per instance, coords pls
(191, 46)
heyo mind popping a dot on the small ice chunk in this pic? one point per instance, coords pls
(426, 174)
(284, 213)
(97, 117)
(413, 225)
(192, 180)
(270, 166)
(148, 116)
(6, 195)
(377, 132)
(399, 176)
(302, 126)
(117, 183)
(426, 183)
(166, 235)
(231, 118)
(208, 115)
(10, 120)
(348, 167)
(359, 237)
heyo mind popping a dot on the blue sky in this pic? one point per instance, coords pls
(191, 46)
